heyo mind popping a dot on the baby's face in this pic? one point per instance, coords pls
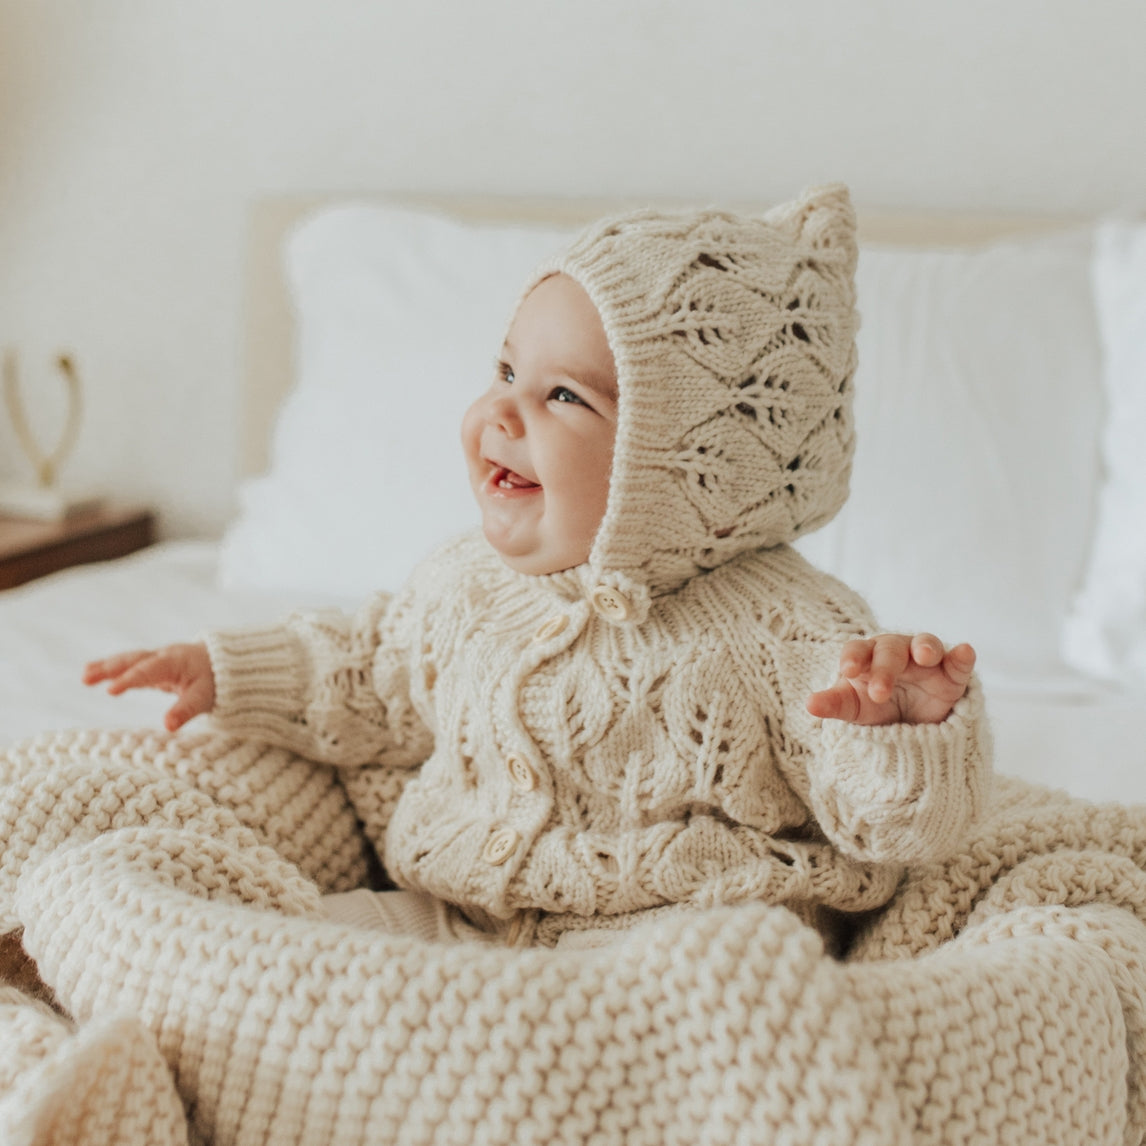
(539, 441)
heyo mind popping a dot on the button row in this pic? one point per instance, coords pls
(614, 606)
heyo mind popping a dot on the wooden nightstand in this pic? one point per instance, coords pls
(30, 549)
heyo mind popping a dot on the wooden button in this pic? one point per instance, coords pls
(523, 776)
(500, 846)
(611, 603)
(554, 627)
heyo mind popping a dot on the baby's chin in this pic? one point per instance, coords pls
(535, 562)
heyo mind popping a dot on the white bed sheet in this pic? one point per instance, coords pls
(1092, 745)
(50, 629)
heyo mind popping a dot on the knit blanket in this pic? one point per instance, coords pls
(169, 890)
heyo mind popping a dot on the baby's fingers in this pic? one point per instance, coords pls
(926, 650)
(197, 699)
(109, 667)
(839, 702)
(959, 663)
(889, 658)
(153, 671)
(855, 657)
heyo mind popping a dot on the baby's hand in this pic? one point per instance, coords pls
(182, 669)
(893, 678)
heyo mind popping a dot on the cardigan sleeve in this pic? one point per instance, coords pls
(331, 687)
(902, 793)
(894, 793)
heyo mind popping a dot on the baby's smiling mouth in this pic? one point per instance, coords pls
(507, 480)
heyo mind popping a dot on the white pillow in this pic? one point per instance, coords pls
(400, 315)
(1105, 633)
(978, 408)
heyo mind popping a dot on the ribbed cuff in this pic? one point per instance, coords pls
(906, 792)
(260, 680)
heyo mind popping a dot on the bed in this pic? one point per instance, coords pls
(1053, 723)
(1004, 354)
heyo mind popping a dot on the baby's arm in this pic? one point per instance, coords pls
(898, 759)
(328, 686)
(182, 669)
(332, 687)
(904, 777)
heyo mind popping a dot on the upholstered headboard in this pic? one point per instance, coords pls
(269, 321)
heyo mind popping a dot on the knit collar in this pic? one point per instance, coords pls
(617, 598)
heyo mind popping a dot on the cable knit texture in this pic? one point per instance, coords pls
(998, 998)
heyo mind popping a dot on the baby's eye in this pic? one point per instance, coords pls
(564, 394)
(505, 372)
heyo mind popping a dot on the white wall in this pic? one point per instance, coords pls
(135, 133)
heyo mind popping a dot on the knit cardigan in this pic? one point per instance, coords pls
(547, 758)
(630, 735)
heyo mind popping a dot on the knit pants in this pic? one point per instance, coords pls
(396, 912)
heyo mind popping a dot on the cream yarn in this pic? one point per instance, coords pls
(104, 1083)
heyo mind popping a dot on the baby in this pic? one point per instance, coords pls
(628, 694)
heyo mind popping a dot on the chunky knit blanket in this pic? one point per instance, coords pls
(168, 889)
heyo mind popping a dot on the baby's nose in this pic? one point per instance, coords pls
(505, 415)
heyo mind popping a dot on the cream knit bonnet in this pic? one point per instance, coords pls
(734, 341)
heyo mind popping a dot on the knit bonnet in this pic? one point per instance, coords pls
(734, 343)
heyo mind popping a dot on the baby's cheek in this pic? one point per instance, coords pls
(471, 433)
